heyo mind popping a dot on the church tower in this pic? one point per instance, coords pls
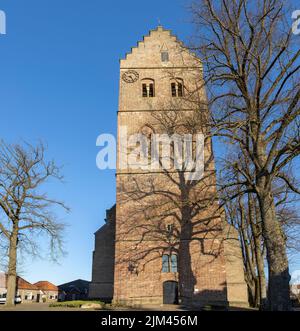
(169, 245)
(165, 241)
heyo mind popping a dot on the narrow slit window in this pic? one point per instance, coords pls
(170, 228)
(180, 90)
(145, 92)
(165, 263)
(150, 148)
(151, 90)
(174, 92)
(165, 57)
(174, 263)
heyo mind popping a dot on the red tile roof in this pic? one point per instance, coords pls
(22, 284)
(46, 286)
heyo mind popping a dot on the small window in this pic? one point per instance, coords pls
(165, 57)
(148, 88)
(170, 228)
(165, 263)
(177, 88)
(174, 93)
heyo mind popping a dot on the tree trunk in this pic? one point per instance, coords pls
(259, 260)
(186, 276)
(259, 256)
(251, 292)
(251, 263)
(12, 269)
(261, 279)
(279, 277)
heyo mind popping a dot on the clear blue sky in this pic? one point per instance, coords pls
(59, 71)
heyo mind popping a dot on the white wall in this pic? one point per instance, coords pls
(2, 280)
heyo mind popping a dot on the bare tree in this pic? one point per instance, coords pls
(243, 212)
(25, 211)
(252, 77)
(167, 213)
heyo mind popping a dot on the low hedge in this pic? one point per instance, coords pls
(75, 304)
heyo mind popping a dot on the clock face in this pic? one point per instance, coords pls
(130, 76)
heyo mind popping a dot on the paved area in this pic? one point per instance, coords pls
(38, 307)
(45, 307)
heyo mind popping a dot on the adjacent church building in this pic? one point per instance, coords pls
(166, 241)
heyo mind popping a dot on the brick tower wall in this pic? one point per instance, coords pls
(138, 277)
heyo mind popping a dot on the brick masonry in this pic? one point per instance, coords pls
(101, 286)
(127, 262)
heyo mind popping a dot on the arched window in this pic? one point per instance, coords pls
(177, 88)
(148, 88)
(170, 263)
(148, 132)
